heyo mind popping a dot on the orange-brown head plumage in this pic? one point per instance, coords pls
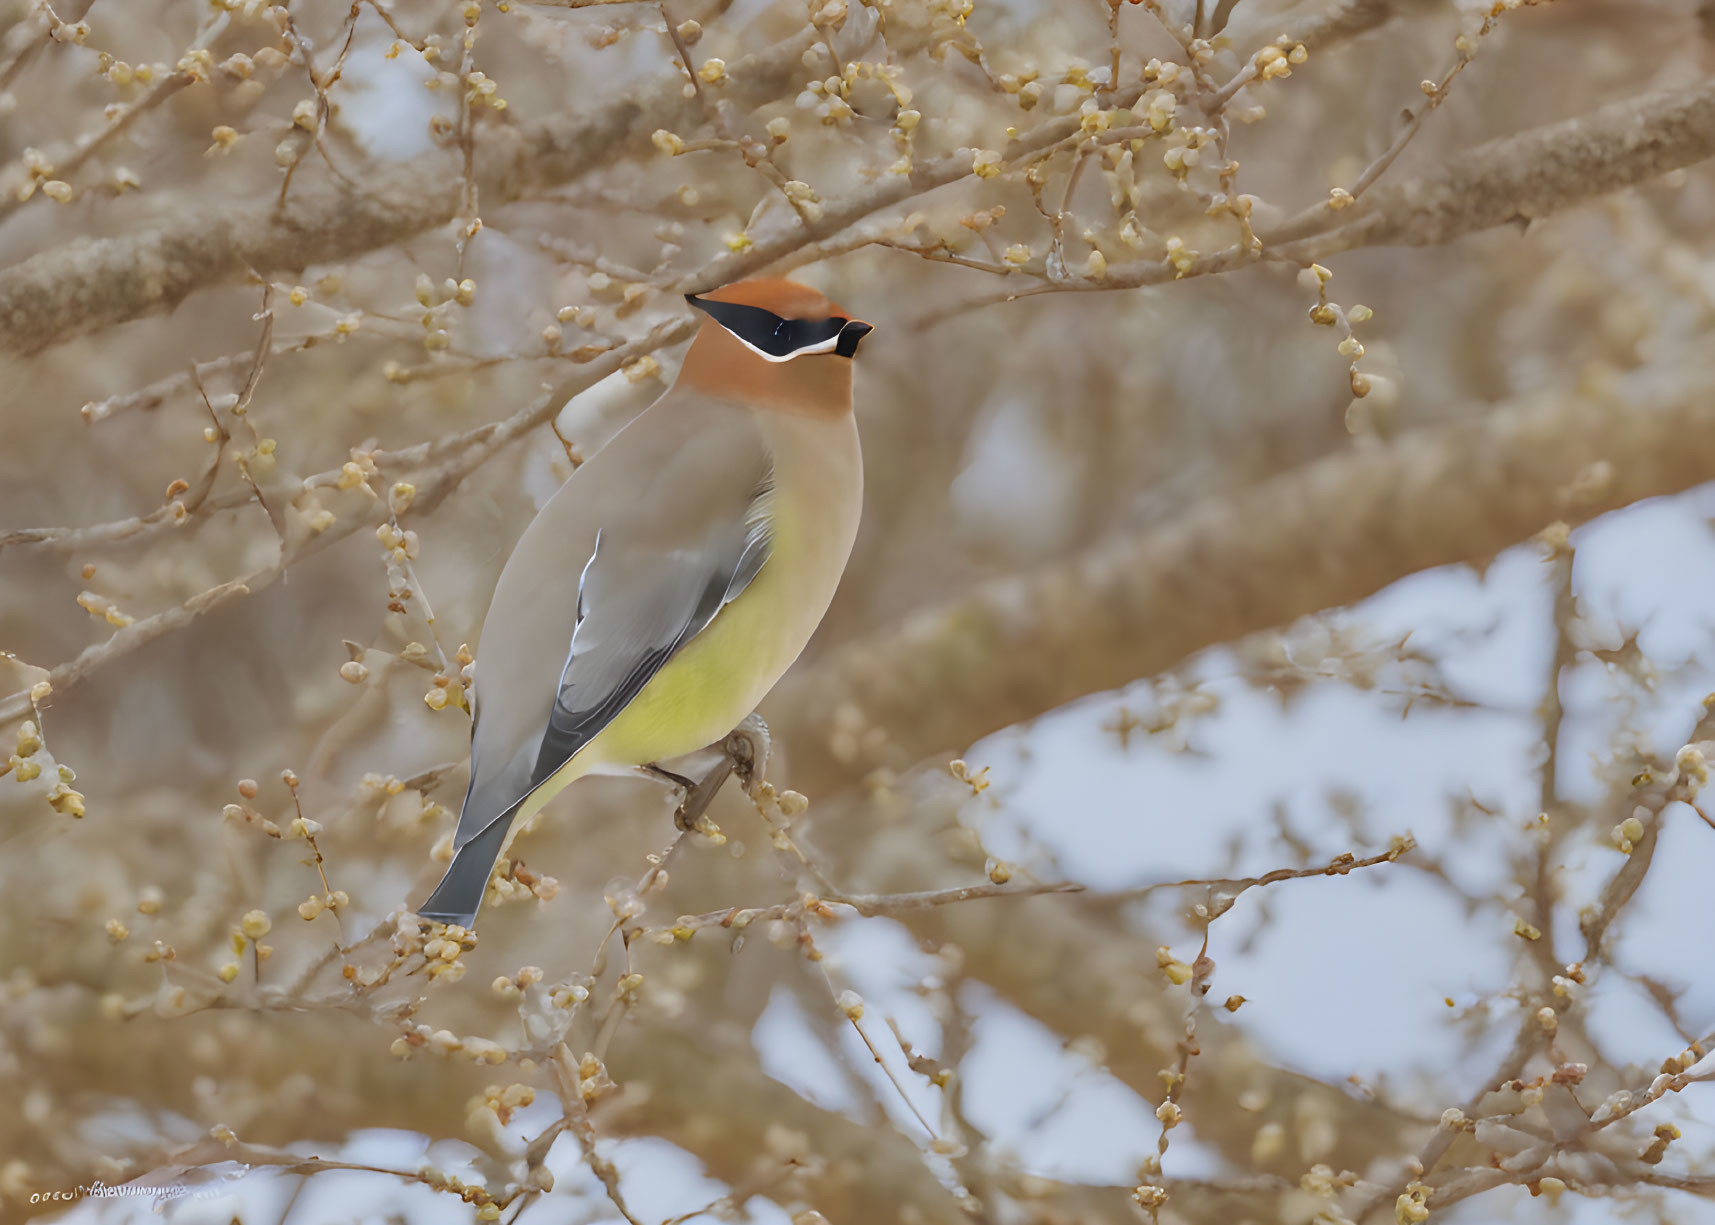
(788, 299)
(774, 344)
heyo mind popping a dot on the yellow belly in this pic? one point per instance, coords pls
(713, 682)
(701, 694)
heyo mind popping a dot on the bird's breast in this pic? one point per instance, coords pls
(818, 491)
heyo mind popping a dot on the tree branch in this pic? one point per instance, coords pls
(1081, 965)
(92, 283)
(1323, 535)
(1517, 178)
(454, 458)
(1534, 173)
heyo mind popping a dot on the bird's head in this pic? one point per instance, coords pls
(775, 343)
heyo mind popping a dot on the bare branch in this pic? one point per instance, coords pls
(1324, 535)
(468, 451)
(94, 283)
(1528, 176)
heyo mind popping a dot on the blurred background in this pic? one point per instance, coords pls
(1249, 772)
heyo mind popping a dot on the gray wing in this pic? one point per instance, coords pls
(633, 558)
(635, 610)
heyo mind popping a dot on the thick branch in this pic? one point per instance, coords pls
(1536, 172)
(1517, 178)
(1324, 535)
(92, 283)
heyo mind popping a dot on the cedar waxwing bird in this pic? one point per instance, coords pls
(660, 593)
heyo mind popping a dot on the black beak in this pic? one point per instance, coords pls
(854, 331)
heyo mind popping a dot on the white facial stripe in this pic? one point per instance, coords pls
(825, 346)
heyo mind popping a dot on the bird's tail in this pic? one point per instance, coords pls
(459, 895)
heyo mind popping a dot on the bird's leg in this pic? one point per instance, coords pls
(744, 752)
(696, 794)
(700, 795)
(667, 776)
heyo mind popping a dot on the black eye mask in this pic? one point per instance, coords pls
(782, 339)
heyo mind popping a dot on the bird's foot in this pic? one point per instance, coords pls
(747, 748)
(744, 752)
